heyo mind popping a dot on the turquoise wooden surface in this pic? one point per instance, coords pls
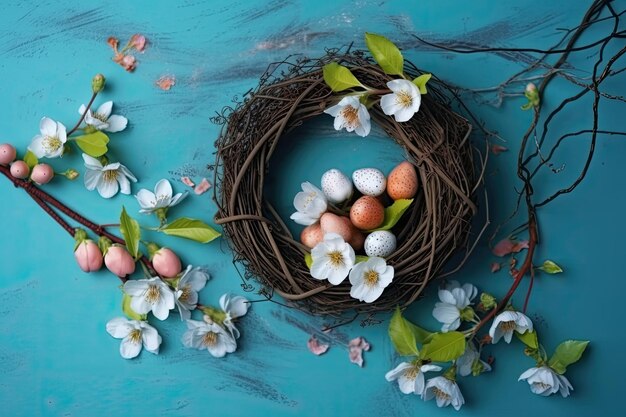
(56, 358)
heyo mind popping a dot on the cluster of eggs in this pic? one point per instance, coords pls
(367, 212)
(41, 173)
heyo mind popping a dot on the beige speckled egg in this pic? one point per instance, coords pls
(367, 213)
(369, 181)
(381, 243)
(312, 235)
(402, 181)
(331, 223)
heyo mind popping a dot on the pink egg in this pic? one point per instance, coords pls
(331, 223)
(312, 235)
(7, 153)
(19, 169)
(42, 174)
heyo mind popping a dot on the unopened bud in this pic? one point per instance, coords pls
(71, 174)
(97, 83)
(488, 301)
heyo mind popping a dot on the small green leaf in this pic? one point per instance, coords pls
(30, 159)
(550, 267)
(308, 260)
(386, 54)
(444, 347)
(339, 78)
(394, 213)
(567, 353)
(421, 81)
(361, 258)
(191, 229)
(529, 339)
(94, 144)
(131, 232)
(128, 311)
(402, 335)
(527, 106)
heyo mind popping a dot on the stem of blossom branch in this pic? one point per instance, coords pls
(45, 200)
(530, 289)
(82, 117)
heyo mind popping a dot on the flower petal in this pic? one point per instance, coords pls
(151, 339)
(91, 162)
(124, 183)
(396, 372)
(163, 189)
(36, 146)
(105, 109)
(129, 349)
(146, 199)
(47, 127)
(108, 189)
(119, 327)
(316, 347)
(116, 123)
(91, 179)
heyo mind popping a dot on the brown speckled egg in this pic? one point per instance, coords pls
(367, 213)
(331, 223)
(358, 240)
(402, 181)
(312, 235)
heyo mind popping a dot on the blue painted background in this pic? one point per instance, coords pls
(56, 358)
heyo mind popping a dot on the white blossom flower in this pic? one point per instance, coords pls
(190, 283)
(454, 299)
(333, 259)
(544, 381)
(470, 362)
(310, 203)
(445, 391)
(108, 179)
(410, 376)
(403, 102)
(150, 295)
(161, 199)
(134, 335)
(508, 322)
(352, 115)
(233, 307)
(102, 119)
(51, 140)
(370, 278)
(210, 336)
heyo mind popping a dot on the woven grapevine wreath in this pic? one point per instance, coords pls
(436, 140)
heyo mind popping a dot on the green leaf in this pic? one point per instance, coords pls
(394, 212)
(402, 335)
(361, 258)
(444, 347)
(93, 144)
(527, 106)
(529, 339)
(192, 229)
(339, 78)
(131, 232)
(567, 353)
(421, 81)
(30, 159)
(128, 311)
(308, 260)
(550, 267)
(385, 53)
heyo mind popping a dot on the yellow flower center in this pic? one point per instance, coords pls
(507, 326)
(185, 292)
(153, 294)
(210, 339)
(404, 99)
(135, 336)
(411, 373)
(371, 278)
(440, 394)
(100, 117)
(110, 175)
(52, 143)
(335, 258)
(350, 115)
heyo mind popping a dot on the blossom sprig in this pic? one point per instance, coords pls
(459, 345)
(402, 98)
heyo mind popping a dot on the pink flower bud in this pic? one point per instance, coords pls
(166, 263)
(138, 42)
(19, 169)
(119, 261)
(88, 256)
(128, 62)
(42, 174)
(7, 154)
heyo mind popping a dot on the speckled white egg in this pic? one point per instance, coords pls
(369, 181)
(381, 243)
(336, 186)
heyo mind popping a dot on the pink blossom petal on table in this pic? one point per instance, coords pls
(138, 42)
(507, 246)
(166, 82)
(522, 244)
(356, 348)
(203, 187)
(498, 149)
(187, 181)
(128, 62)
(316, 347)
(495, 266)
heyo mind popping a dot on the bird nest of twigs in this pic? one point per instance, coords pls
(435, 229)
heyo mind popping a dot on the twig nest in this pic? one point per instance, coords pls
(435, 226)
